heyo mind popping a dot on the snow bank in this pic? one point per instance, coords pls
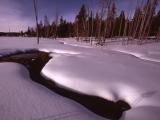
(113, 74)
(22, 99)
(129, 73)
(149, 52)
(104, 76)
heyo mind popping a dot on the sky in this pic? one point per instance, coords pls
(17, 15)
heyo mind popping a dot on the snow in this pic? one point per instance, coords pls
(109, 73)
(22, 99)
(128, 73)
(115, 72)
(149, 52)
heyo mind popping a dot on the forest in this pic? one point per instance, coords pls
(99, 26)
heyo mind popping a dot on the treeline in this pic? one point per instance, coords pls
(61, 29)
(11, 34)
(105, 23)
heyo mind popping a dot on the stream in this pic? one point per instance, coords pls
(35, 60)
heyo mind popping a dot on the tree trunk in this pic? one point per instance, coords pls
(36, 16)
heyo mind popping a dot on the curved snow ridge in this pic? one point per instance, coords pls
(76, 44)
(111, 92)
(112, 77)
(60, 77)
(151, 56)
(62, 68)
(59, 51)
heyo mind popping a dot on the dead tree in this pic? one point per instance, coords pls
(144, 19)
(122, 22)
(105, 13)
(91, 25)
(113, 21)
(56, 24)
(35, 4)
(86, 24)
(76, 29)
(137, 19)
(102, 14)
(149, 19)
(127, 23)
(149, 10)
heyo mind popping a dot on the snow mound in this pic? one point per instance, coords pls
(130, 73)
(22, 99)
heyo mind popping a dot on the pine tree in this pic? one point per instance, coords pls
(91, 26)
(46, 26)
(56, 24)
(113, 16)
(41, 29)
(155, 24)
(97, 25)
(137, 22)
(158, 35)
(104, 28)
(28, 32)
(122, 23)
(81, 19)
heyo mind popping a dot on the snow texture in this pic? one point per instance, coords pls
(22, 99)
(130, 73)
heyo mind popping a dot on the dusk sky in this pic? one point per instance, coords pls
(17, 15)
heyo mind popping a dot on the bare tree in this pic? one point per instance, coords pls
(90, 21)
(76, 29)
(149, 10)
(92, 27)
(137, 18)
(46, 26)
(113, 21)
(56, 23)
(122, 22)
(127, 23)
(87, 24)
(149, 19)
(35, 4)
(105, 6)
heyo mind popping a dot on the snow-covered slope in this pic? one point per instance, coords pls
(149, 52)
(112, 74)
(130, 73)
(22, 99)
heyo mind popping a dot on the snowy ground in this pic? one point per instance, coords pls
(115, 72)
(22, 99)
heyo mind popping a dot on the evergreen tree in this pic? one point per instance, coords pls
(136, 22)
(81, 19)
(28, 32)
(41, 29)
(46, 26)
(97, 25)
(121, 23)
(65, 29)
(155, 24)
